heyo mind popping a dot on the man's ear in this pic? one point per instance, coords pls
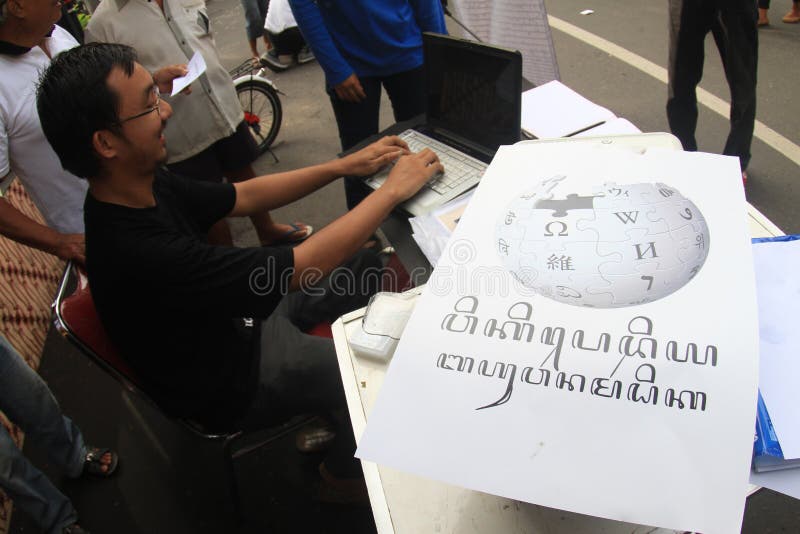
(16, 8)
(105, 143)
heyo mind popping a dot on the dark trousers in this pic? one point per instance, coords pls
(357, 121)
(733, 25)
(299, 373)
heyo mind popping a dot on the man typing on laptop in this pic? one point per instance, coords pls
(172, 302)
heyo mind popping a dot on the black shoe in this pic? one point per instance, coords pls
(272, 61)
(305, 55)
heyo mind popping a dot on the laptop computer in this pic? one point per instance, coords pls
(473, 105)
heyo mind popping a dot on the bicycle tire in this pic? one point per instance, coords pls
(262, 111)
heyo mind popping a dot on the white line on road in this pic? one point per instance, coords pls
(714, 103)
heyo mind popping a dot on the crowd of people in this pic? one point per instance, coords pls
(137, 186)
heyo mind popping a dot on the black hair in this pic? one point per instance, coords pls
(74, 101)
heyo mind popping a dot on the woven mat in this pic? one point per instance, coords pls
(28, 280)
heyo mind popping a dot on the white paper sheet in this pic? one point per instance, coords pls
(433, 231)
(196, 67)
(461, 404)
(517, 24)
(554, 110)
(777, 267)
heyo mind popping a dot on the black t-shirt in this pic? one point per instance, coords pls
(173, 304)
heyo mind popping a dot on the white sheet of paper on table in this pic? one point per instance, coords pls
(576, 451)
(554, 110)
(777, 265)
(196, 67)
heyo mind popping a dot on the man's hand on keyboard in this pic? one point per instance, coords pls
(411, 172)
(373, 157)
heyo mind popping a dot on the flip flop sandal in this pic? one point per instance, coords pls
(287, 239)
(93, 465)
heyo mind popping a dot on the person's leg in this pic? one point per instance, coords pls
(686, 65)
(26, 400)
(299, 373)
(289, 42)
(406, 91)
(736, 35)
(793, 16)
(356, 121)
(31, 490)
(763, 8)
(263, 7)
(254, 23)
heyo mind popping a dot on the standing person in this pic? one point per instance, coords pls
(255, 12)
(28, 41)
(733, 25)
(27, 401)
(208, 138)
(363, 45)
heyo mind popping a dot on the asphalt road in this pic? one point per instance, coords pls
(641, 28)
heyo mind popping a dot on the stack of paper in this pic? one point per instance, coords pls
(432, 231)
(554, 110)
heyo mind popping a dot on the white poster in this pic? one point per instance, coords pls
(588, 341)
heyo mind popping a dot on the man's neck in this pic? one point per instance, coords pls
(124, 189)
(15, 34)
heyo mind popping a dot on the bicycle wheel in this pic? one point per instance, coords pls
(262, 111)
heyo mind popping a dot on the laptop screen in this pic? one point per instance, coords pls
(474, 90)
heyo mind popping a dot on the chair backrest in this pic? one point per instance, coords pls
(75, 317)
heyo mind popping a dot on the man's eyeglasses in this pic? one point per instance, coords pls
(148, 110)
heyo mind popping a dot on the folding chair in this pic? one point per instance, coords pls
(75, 317)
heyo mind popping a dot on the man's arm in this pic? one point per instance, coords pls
(275, 190)
(17, 226)
(331, 246)
(429, 15)
(309, 20)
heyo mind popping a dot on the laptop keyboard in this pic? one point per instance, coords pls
(458, 167)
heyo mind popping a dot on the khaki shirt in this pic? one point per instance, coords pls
(212, 111)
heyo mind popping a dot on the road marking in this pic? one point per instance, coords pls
(714, 103)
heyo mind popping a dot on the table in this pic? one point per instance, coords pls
(404, 503)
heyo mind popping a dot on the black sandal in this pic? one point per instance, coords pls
(93, 462)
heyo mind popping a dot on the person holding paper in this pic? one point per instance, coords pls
(29, 39)
(363, 45)
(208, 139)
(173, 303)
(733, 25)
